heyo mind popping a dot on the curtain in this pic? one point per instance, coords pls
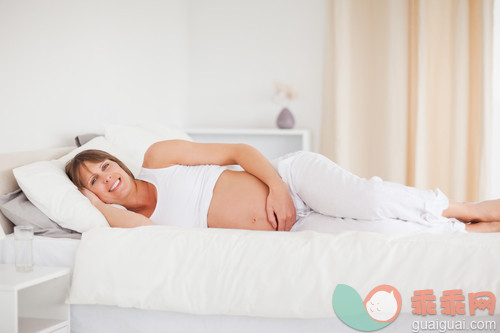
(407, 91)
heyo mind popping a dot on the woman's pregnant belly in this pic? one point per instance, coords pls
(239, 202)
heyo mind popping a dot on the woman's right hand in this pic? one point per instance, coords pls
(94, 199)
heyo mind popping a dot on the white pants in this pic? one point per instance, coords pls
(330, 199)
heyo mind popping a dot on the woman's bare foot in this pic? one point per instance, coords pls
(489, 210)
(483, 227)
(484, 211)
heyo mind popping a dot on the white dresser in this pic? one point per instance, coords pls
(271, 142)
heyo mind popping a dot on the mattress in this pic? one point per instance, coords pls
(107, 319)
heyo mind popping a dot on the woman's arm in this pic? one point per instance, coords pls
(280, 208)
(116, 217)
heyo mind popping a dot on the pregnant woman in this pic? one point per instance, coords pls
(184, 183)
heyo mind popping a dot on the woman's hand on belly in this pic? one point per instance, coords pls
(280, 209)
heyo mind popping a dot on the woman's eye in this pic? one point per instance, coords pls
(105, 166)
(92, 181)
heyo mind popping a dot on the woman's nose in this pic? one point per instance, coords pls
(107, 177)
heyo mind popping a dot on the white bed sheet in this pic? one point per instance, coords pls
(109, 319)
(47, 251)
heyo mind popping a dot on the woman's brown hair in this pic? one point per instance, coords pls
(91, 155)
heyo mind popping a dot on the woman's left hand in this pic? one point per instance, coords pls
(280, 208)
(94, 199)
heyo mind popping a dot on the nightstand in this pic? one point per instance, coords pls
(34, 301)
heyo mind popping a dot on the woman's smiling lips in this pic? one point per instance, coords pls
(115, 185)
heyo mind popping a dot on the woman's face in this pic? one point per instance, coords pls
(107, 180)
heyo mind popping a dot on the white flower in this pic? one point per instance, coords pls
(283, 94)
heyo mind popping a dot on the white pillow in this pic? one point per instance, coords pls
(101, 143)
(48, 187)
(136, 139)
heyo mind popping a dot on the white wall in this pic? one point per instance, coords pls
(239, 48)
(69, 67)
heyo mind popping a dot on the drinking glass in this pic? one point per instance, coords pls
(23, 239)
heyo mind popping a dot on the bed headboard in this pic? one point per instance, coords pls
(9, 161)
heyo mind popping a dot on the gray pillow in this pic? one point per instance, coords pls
(82, 139)
(20, 211)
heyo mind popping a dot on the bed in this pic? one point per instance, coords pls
(249, 281)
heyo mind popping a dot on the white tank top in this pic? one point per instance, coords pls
(184, 193)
